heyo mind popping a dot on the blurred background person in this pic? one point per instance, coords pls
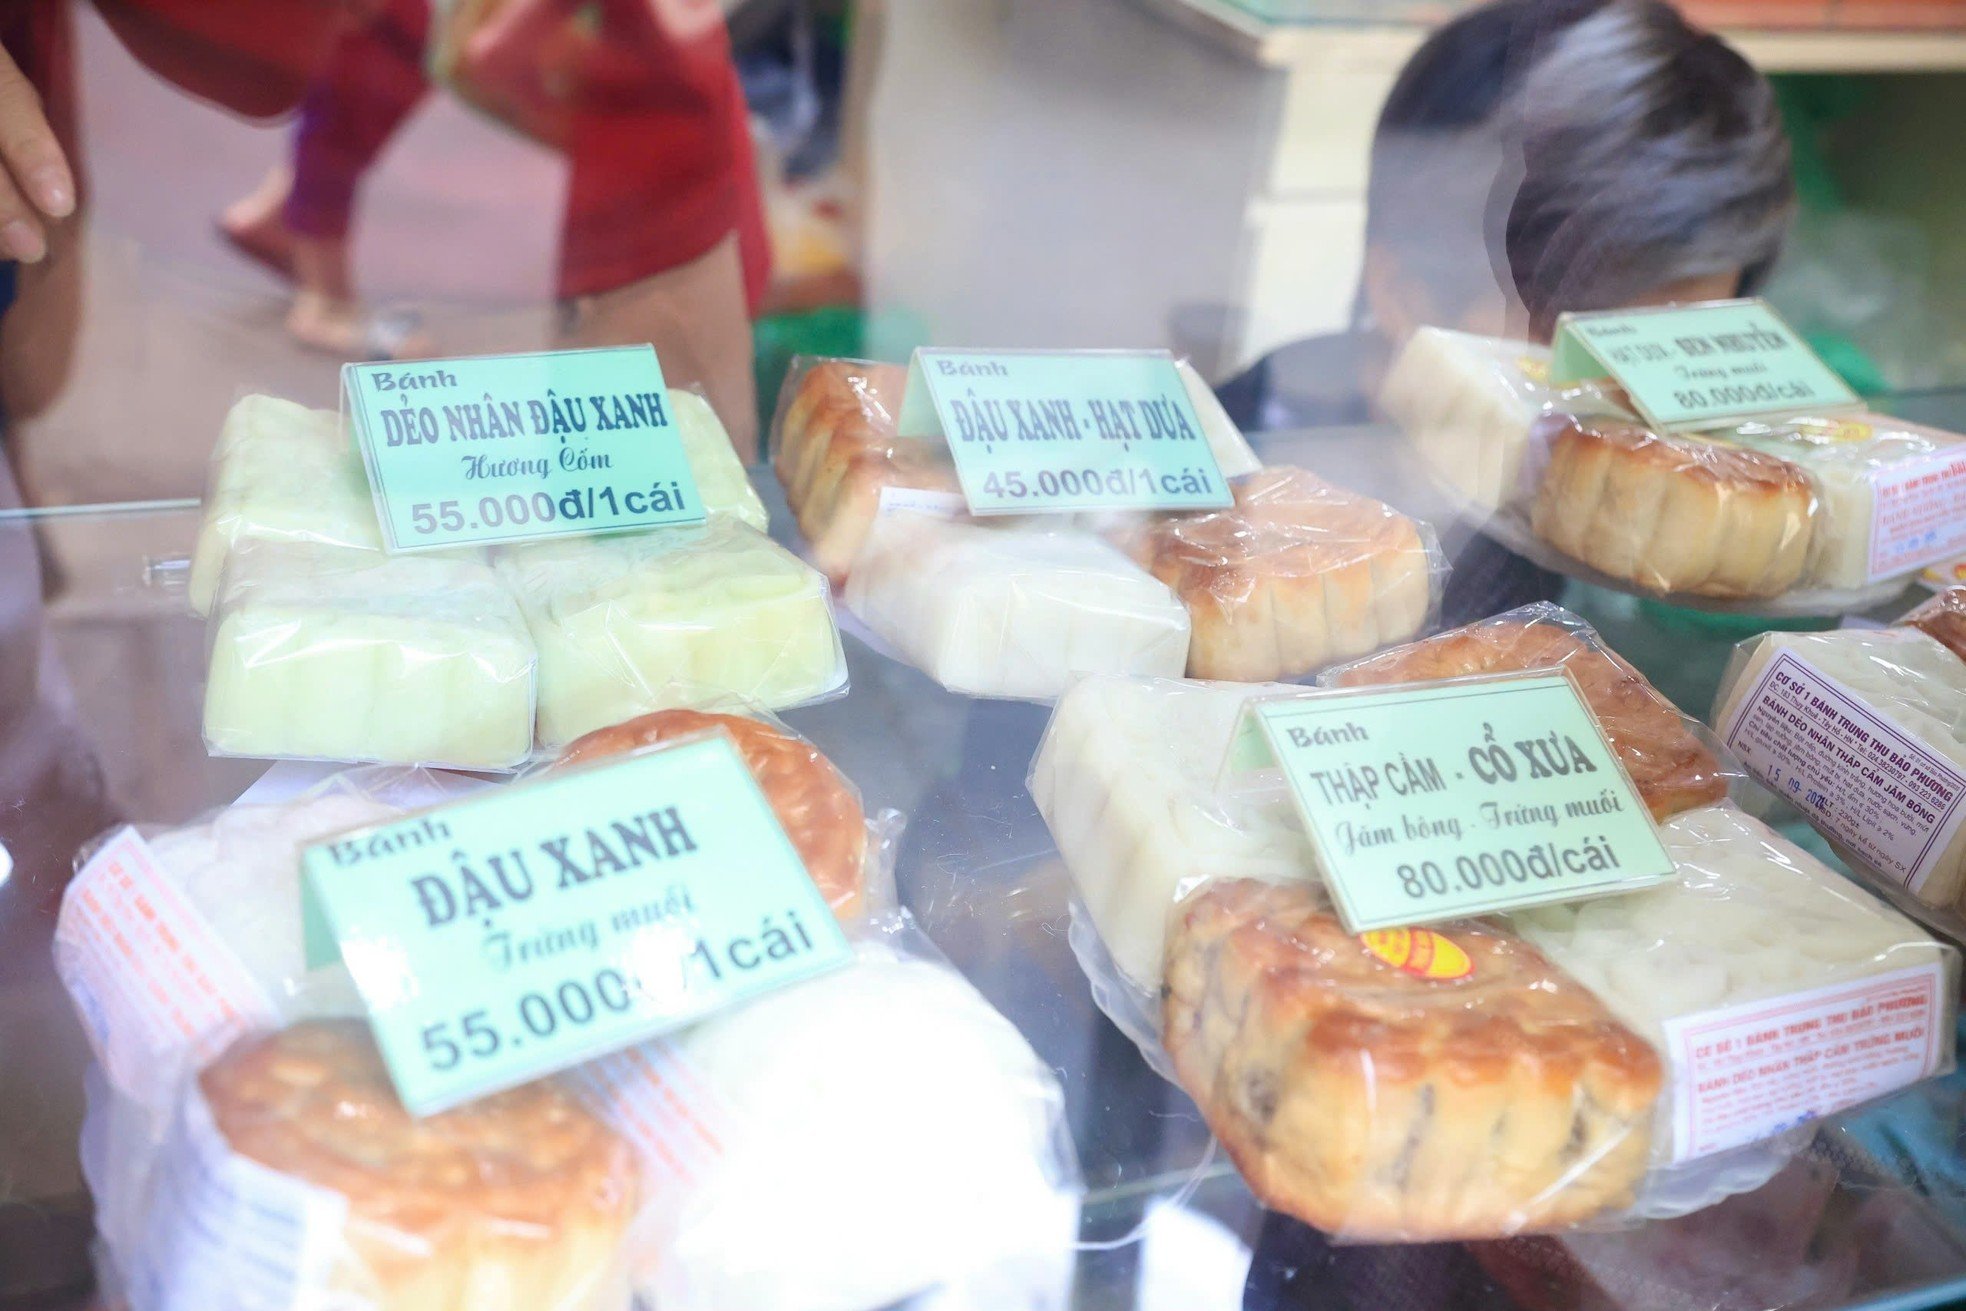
(662, 238)
(1537, 157)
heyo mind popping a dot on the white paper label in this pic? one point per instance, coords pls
(148, 975)
(920, 500)
(1920, 515)
(1859, 777)
(653, 1096)
(1747, 1072)
(225, 1231)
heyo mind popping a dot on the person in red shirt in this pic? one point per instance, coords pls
(663, 237)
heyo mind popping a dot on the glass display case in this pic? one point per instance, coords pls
(1870, 1214)
(411, 184)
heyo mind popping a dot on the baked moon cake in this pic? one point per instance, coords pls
(513, 1202)
(813, 801)
(839, 450)
(1470, 406)
(1297, 574)
(1675, 516)
(857, 401)
(1672, 769)
(1468, 1090)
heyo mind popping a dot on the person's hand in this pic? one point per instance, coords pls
(35, 184)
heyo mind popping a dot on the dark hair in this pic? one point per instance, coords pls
(1595, 149)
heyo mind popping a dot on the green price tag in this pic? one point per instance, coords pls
(498, 939)
(1065, 430)
(512, 448)
(1700, 366)
(1444, 800)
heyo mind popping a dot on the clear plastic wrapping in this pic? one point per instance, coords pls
(1424, 1084)
(1297, 574)
(836, 450)
(1865, 731)
(1758, 958)
(1800, 514)
(280, 473)
(1673, 515)
(329, 653)
(1854, 462)
(1361, 1083)
(1668, 756)
(174, 944)
(246, 1147)
(1126, 780)
(293, 1168)
(849, 1142)
(1375, 1085)
(1469, 405)
(1012, 609)
(672, 617)
(1942, 618)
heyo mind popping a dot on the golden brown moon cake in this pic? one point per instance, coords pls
(1298, 573)
(1467, 1090)
(1671, 515)
(815, 804)
(1672, 769)
(838, 452)
(512, 1202)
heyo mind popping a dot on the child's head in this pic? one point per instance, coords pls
(1537, 156)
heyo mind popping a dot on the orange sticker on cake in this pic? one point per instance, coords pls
(1420, 952)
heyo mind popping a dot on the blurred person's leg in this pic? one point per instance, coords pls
(664, 238)
(695, 317)
(299, 220)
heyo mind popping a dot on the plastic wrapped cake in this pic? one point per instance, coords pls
(674, 617)
(1853, 462)
(942, 1163)
(1865, 730)
(1013, 609)
(1470, 405)
(1669, 763)
(1126, 778)
(174, 947)
(326, 653)
(815, 804)
(720, 478)
(1942, 618)
(1671, 515)
(293, 1169)
(837, 450)
(281, 473)
(1469, 1090)
(1297, 574)
(1758, 958)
